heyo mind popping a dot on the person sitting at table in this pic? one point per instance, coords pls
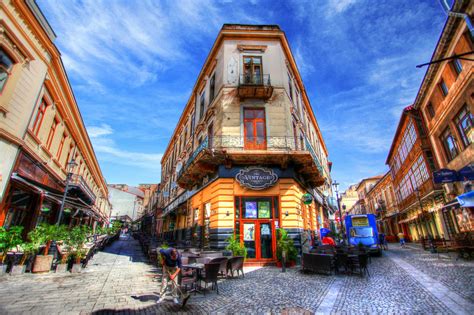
(171, 261)
(328, 240)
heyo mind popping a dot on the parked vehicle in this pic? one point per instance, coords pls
(362, 231)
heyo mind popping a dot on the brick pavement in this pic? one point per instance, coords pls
(120, 281)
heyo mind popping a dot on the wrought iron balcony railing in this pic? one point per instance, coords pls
(255, 79)
(79, 182)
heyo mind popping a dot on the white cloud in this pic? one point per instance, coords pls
(340, 5)
(99, 131)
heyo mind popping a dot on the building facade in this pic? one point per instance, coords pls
(348, 199)
(445, 100)
(127, 202)
(246, 149)
(362, 189)
(381, 202)
(42, 135)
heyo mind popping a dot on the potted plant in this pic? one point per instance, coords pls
(43, 234)
(236, 247)
(76, 242)
(9, 239)
(62, 235)
(285, 247)
(27, 249)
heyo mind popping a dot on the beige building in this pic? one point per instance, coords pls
(42, 135)
(364, 186)
(348, 199)
(246, 149)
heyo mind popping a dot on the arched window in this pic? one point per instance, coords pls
(6, 65)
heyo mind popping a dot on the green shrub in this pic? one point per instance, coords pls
(9, 239)
(236, 247)
(285, 243)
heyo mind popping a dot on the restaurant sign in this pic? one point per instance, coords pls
(256, 178)
(445, 176)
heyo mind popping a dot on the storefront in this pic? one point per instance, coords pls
(250, 203)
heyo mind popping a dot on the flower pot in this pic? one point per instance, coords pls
(17, 270)
(76, 268)
(61, 268)
(42, 263)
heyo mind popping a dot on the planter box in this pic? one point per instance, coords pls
(76, 268)
(61, 268)
(42, 263)
(18, 270)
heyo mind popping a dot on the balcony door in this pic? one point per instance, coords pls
(252, 70)
(254, 129)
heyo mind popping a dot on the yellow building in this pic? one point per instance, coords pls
(246, 149)
(42, 135)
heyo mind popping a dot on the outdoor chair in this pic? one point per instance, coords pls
(342, 261)
(223, 264)
(203, 260)
(319, 263)
(361, 263)
(235, 264)
(211, 272)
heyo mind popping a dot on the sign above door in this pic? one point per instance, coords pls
(256, 178)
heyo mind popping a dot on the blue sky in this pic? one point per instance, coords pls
(132, 65)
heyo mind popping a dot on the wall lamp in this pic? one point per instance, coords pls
(227, 213)
(286, 213)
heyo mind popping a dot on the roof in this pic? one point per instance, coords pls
(377, 177)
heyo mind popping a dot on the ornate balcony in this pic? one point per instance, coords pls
(255, 86)
(235, 150)
(79, 187)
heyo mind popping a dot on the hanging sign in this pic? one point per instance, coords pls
(307, 199)
(256, 178)
(466, 173)
(445, 176)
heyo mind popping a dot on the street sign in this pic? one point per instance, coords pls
(445, 176)
(467, 172)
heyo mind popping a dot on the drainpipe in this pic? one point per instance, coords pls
(447, 10)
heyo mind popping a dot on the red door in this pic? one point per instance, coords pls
(254, 129)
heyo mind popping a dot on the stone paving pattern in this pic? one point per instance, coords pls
(119, 280)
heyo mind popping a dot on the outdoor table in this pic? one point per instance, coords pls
(198, 268)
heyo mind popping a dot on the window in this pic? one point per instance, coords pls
(212, 88)
(69, 154)
(443, 87)
(61, 145)
(464, 125)
(290, 87)
(252, 70)
(457, 65)
(449, 144)
(202, 104)
(52, 132)
(6, 65)
(39, 117)
(430, 110)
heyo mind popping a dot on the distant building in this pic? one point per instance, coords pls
(348, 199)
(446, 99)
(362, 188)
(126, 201)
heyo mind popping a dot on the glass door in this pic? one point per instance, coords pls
(266, 243)
(249, 239)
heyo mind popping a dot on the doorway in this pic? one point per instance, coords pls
(254, 129)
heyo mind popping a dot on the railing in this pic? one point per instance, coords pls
(78, 180)
(239, 143)
(255, 79)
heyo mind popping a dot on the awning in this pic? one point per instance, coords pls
(453, 203)
(466, 200)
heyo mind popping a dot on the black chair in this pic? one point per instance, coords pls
(211, 272)
(342, 261)
(223, 264)
(235, 264)
(361, 263)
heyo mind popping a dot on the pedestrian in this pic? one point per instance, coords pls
(171, 261)
(382, 241)
(401, 236)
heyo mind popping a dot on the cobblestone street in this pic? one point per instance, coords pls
(119, 279)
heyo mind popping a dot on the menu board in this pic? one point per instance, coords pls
(250, 209)
(264, 209)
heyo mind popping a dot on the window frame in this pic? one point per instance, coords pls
(443, 87)
(457, 66)
(42, 108)
(444, 137)
(431, 111)
(52, 133)
(61, 145)
(202, 104)
(465, 115)
(212, 87)
(9, 70)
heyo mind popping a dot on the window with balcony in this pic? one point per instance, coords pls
(464, 125)
(202, 104)
(457, 66)
(253, 72)
(443, 87)
(449, 144)
(52, 132)
(6, 65)
(254, 129)
(39, 117)
(212, 88)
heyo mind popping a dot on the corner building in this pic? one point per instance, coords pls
(247, 150)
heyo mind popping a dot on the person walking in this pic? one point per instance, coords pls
(382, 241)
(171, 261)
(401, 237)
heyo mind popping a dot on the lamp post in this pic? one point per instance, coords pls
(428, 230)
(336, 184)
(70, 168)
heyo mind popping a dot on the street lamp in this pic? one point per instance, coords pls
(336, 184)
(70, 168)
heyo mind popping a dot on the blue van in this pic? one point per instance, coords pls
(362, 228)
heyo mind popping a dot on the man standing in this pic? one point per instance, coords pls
(401, 236)
(171, 261)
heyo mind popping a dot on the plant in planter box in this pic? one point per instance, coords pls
(45, 234)
(76, 241)
(27, 249)
(9, 239)
(236, 247)
(286, 246)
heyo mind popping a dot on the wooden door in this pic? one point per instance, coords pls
(254, 129)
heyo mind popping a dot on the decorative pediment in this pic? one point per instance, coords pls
(260, 48)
